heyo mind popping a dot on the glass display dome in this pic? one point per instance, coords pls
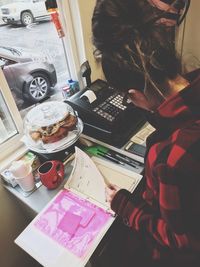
(51, 127)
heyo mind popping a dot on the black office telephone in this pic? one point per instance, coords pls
(104, 116)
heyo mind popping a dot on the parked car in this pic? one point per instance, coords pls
(24, 12)
(29, 74)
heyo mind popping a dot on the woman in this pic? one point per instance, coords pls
(135, 39)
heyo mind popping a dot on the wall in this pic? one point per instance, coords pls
(86, 10)
(189, 39)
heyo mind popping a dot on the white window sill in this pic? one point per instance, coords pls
(17, 154)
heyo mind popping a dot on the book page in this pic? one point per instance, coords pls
(90, 176)
(66, 232)
(117, 175)
(73, 222)
(86, 178)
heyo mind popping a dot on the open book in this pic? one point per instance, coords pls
(90, 176)
(71, 226)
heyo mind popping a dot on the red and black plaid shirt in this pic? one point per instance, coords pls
(169, 209)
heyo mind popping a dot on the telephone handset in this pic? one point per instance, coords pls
(104, 115)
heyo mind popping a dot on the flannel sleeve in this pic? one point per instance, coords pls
(167, 226)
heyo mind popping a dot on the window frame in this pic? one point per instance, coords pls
(73, 39)
(14, 142)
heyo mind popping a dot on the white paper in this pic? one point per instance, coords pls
(141, 136)
(86, 178)
(90, 96)
(90, 176)
(48, 252)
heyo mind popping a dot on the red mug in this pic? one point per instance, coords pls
(51, 173)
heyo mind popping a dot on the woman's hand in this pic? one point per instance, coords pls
(139, 99)
(111, 191)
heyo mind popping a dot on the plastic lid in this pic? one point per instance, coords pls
(48, 113)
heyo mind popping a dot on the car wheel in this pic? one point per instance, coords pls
(38, 88)
(27, 18)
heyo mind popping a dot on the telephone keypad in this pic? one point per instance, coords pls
(111, 107)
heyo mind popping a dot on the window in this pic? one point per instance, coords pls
(38, 61)
(16, 62)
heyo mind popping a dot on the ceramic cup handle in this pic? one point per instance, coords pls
(60, 169)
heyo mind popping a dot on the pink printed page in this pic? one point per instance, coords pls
(72, 222)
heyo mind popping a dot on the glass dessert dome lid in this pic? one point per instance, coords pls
(48, 113)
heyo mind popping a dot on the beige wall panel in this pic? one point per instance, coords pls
(191, 37)
(86, 9)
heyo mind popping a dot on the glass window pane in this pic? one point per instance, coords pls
(32, 55)
(7, 126)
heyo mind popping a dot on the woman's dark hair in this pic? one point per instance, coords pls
(133, 45)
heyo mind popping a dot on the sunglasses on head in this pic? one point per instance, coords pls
(181, 6)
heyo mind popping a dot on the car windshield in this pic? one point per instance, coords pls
(14, 51)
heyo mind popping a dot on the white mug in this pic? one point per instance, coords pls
(27, 182)
(19, 168)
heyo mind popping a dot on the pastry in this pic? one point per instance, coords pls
(61, 133)
(56, 131)
(35, 135)
(69, 122)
